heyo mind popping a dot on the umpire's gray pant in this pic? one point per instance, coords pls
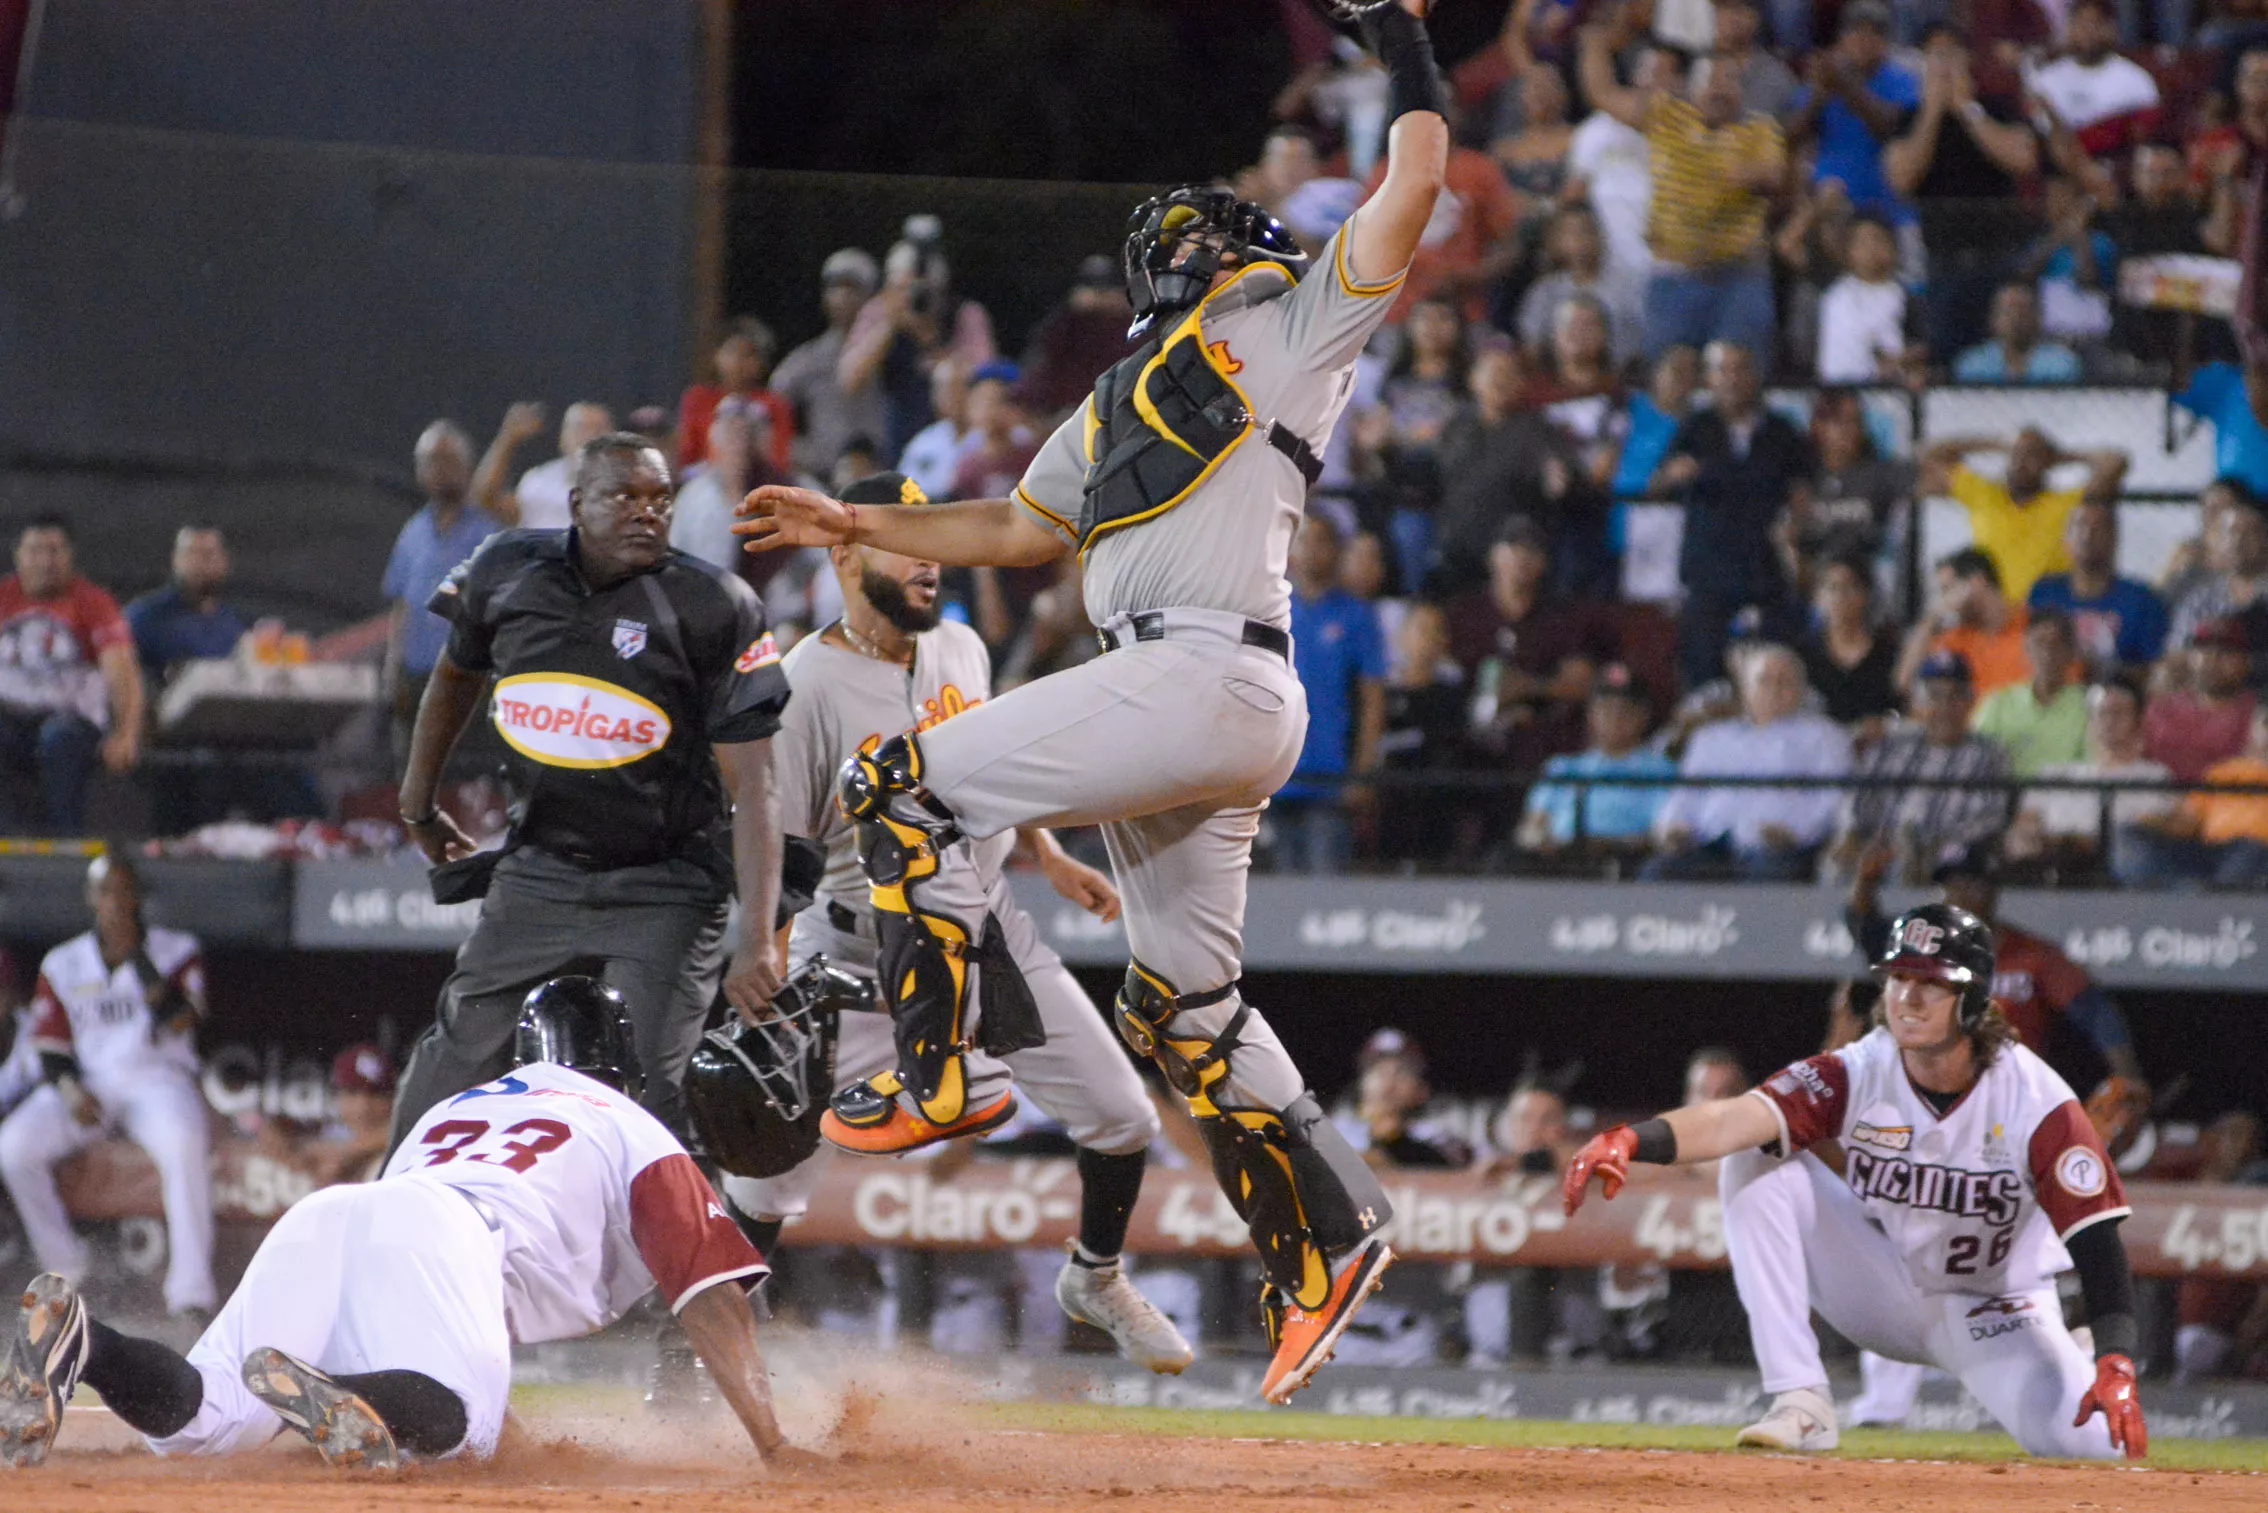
(656, 933)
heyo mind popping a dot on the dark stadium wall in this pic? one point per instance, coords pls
(266, 232)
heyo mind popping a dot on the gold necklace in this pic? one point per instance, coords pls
(866, 648)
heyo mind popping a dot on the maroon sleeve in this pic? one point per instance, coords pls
(682, 1234)
(2061, 980)
(50, 1023)
(1810, 1097)
(2071, 1173)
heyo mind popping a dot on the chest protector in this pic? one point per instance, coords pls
(1160, 422)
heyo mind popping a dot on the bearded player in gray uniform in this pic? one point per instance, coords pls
(891, 665)
(1179, 484)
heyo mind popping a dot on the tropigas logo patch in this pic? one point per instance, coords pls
(564, 720)
(759, 651)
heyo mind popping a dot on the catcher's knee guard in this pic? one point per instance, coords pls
(901, 827)
(1291, 1175)
(922, 966)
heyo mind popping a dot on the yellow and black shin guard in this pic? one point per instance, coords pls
(923, 965)
(1290, 1175)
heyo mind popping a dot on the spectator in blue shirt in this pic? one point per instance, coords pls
(186, 621)
(2120, 622)
(2016, 354)
(2240, 445)
(1341, 660)
(1615, 818)
(433, 541)
(1652, 420)
(1854, 101)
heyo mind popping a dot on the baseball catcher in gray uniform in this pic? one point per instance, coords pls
(890, 665)
(1179, 485)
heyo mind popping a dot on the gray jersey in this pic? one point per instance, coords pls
(1290, 352)
(843, 703)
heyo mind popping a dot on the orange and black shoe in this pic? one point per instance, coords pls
(869, 1119)
(1305, 1339)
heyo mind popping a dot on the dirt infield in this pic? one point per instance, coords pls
(929, 1461)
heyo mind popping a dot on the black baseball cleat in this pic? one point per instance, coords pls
(338, 1423)
(46, 1351)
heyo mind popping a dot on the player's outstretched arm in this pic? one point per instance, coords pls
(1702, 1132)
(722, 1330)
(1385, 231)
(972, 533)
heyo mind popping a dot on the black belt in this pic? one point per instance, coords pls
(1150, 625)
(1294, 446)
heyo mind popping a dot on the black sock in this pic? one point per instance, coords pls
(149, 1386)
(1108, 1186)
(426, 1417)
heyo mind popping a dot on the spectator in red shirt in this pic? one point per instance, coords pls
(70, 685)
(1472, 240)
(2189, 729)
(743, 361)
(1077, 340)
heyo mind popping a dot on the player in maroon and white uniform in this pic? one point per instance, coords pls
(1971, 1178)
(112, 1033)
(378, 1319)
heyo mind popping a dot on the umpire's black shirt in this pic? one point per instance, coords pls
(610, 699)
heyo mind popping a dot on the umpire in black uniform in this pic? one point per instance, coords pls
(634, 685)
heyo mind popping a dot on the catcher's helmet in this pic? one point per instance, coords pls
(582, 1024)
(756, 1091)
(1947, 945)
(1160, 285)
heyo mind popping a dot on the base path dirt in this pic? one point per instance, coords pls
(891, 1460)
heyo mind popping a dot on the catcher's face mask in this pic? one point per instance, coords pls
(1178, 243)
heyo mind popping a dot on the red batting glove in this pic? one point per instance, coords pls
(1608, 1156)
(2113, 1397)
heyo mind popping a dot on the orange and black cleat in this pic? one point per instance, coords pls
(869, 1119)
(1305, 1338)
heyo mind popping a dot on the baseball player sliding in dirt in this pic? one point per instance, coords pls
(891, 665)
(1179, 484)
(1971, 1177)
(378, 1319)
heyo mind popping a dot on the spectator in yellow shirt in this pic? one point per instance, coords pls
(2017, 519)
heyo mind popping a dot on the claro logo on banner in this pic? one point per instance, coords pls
(564, 720)
(1456, 926)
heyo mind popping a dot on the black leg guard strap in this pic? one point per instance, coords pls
(1306, 1194)
(152, 1388)
(1193, 1062)
(428, 1419)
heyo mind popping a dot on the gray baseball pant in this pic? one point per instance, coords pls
(656, 933)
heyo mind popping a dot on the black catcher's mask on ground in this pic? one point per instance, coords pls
(1216, 228)
(582, 1024)
(756, 1091)
(1948, 945)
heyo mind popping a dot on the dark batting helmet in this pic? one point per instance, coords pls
(582, 1024)
(1163, 280)
(756, 1091)
(1948, 945)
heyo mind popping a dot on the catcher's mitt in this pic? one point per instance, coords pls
(2118, 1109)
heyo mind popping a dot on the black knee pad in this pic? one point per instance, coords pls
(898, 841)
(1144, 1013)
